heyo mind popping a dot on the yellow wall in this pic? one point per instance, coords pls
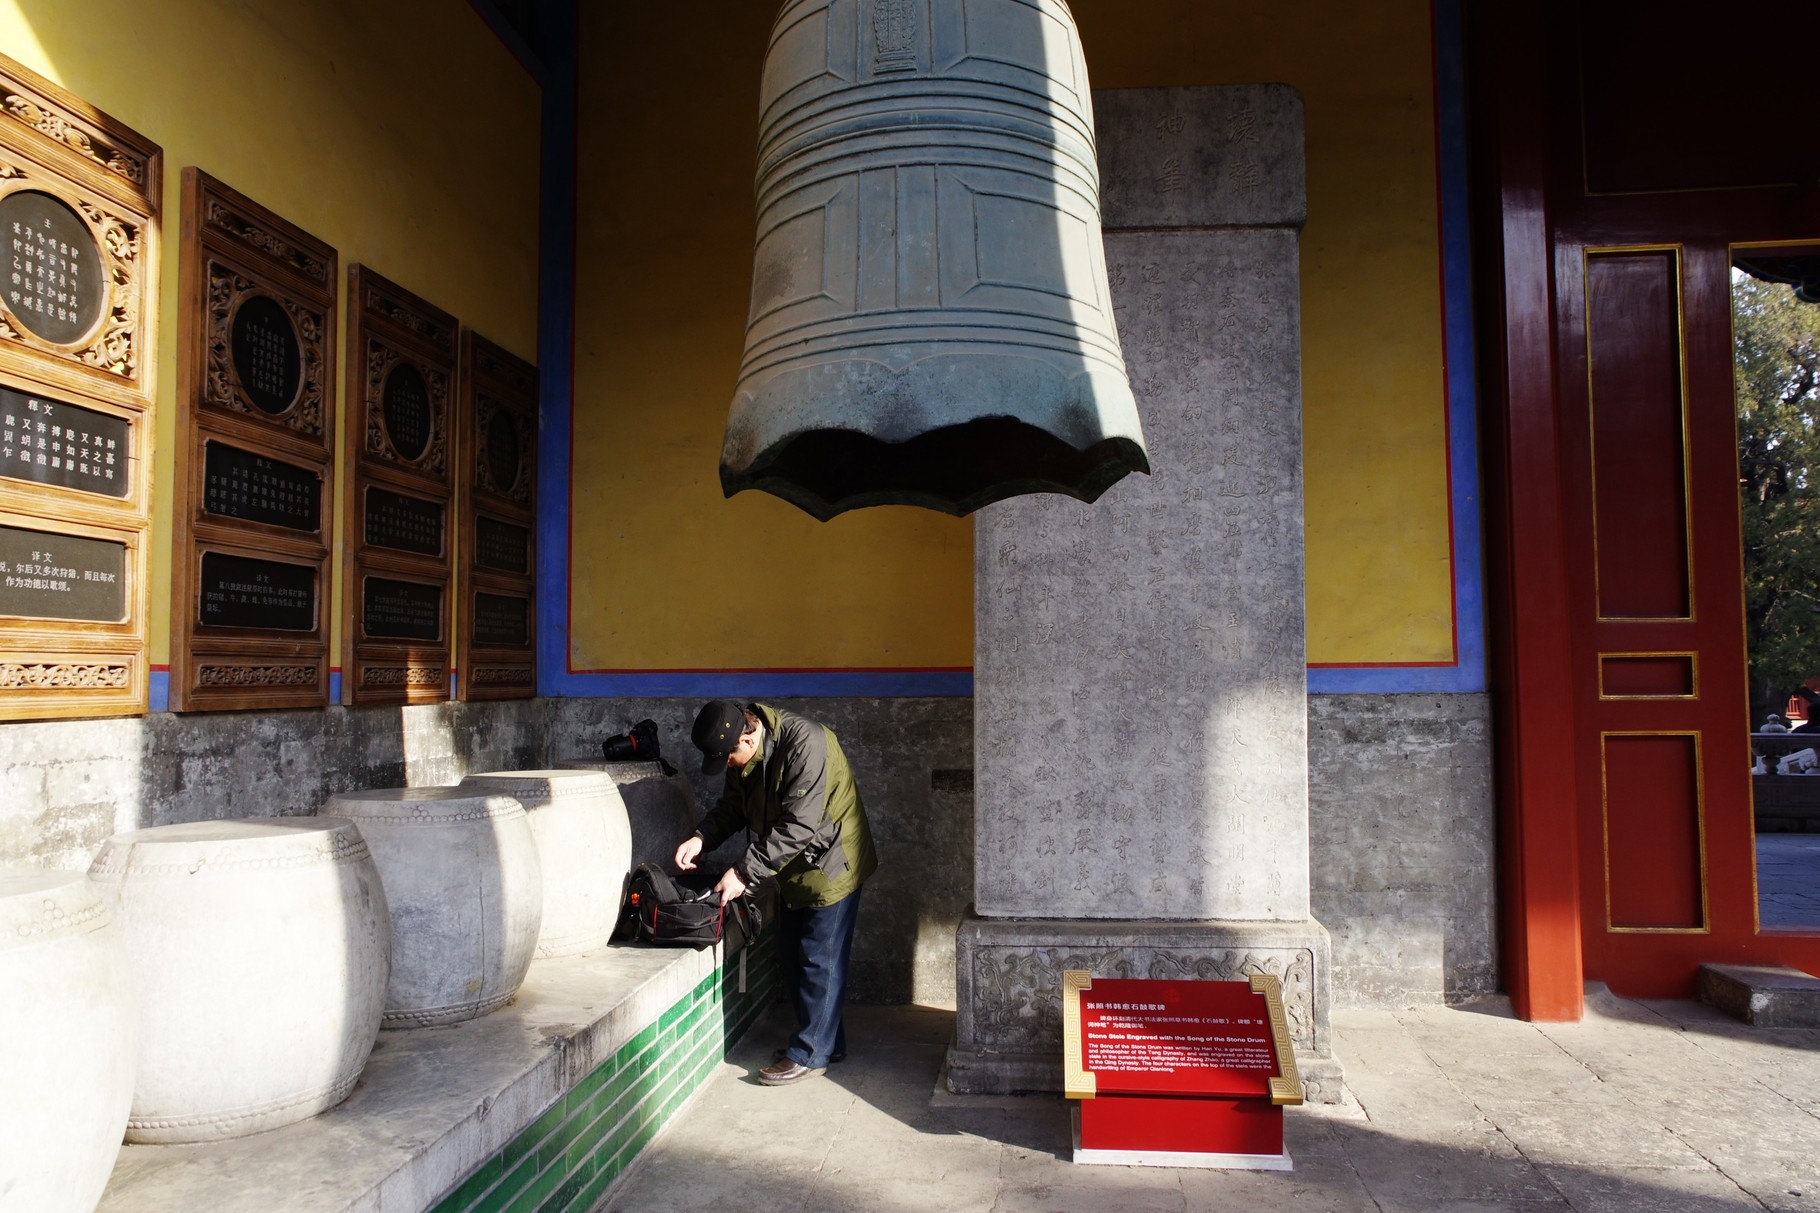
(400, 131)
(668, 127)
(1379, 580)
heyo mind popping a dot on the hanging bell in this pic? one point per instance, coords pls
(931, 322)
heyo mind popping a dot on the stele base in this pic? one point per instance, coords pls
(1180, 1131)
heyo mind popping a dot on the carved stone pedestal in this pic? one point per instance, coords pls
(1008, 1033)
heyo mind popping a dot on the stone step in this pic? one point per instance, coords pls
(1765, 996)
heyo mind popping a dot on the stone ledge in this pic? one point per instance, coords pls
(433, 1104)
(1762, 995)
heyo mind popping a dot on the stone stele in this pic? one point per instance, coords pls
(1139, 673)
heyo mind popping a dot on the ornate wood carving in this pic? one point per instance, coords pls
(498, 522)
(254, 513)
(399, 597)
(79, 204)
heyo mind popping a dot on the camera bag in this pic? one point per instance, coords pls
(683, 911)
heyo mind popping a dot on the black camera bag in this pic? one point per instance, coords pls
(683, 911)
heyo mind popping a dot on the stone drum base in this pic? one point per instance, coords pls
(465, 891)
(1008, 1029)
(66, 1042)
(584, 844)
(259, 951)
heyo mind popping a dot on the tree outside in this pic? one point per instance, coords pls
(1776, 369)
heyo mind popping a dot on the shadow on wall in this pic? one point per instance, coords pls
(1403, 845)
(67, 786)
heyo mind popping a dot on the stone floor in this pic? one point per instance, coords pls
(1662, 1107)
(1788, 879)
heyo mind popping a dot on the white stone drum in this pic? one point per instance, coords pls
(259, 951)
(659, 807)
(465, 892)
(585, 845)
(66, 1042)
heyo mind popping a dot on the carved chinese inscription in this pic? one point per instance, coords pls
(55, 286)
(501, 546)
(255, 518)
(402, 371)
(498, 510)
(403, 523)
(79, 204)
(241, 484)
(246, 592)
(1166, 592)
(406, 410)
(46, 576)
(267, 353)
(50, 441)
(401, 609)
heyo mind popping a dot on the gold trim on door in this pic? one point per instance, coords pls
(1706, 912)
(1687, 509)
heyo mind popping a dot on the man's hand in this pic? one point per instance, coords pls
(730, 886)
(686, 853)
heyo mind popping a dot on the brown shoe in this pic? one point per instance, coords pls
(783, 1073)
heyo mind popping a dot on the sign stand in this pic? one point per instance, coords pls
(1178, 1073)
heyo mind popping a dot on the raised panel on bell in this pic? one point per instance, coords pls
(810, 45)
(79, 207)
(497, 657)
(1002, 237)
(254, 514)
(401, 385)
(1637, 396)
(1018, 42)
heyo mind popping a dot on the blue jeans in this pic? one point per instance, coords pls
(815, 945)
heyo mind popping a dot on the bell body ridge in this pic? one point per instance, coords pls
(930, 318)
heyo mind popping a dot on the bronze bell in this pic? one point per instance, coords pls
(931, 322)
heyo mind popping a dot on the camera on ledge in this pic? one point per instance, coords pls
(640, 745)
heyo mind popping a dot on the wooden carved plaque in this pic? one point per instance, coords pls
(79, 214)
(402, 358)
(498, 522)
(254, 509)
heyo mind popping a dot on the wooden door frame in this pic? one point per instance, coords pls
(1527, 581)
(1519, 208)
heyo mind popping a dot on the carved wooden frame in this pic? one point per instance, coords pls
(497, 389)
(235, 250)
(390, 327)
(110, 177)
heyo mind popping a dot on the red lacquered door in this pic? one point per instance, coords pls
(1662, 753)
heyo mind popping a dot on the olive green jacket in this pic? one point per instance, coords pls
(798, 798)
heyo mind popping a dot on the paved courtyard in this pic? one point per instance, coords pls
(1788, 880)
(1661, 1107)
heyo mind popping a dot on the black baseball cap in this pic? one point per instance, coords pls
(717, 730)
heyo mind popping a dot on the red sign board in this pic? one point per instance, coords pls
(1177, 1038)
(1178, 1073)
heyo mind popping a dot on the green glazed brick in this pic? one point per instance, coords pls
(574, 1151)
(554, 1148)
(533, 1195)
(471, 1188)
(564, 1196)
(590, 1195)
